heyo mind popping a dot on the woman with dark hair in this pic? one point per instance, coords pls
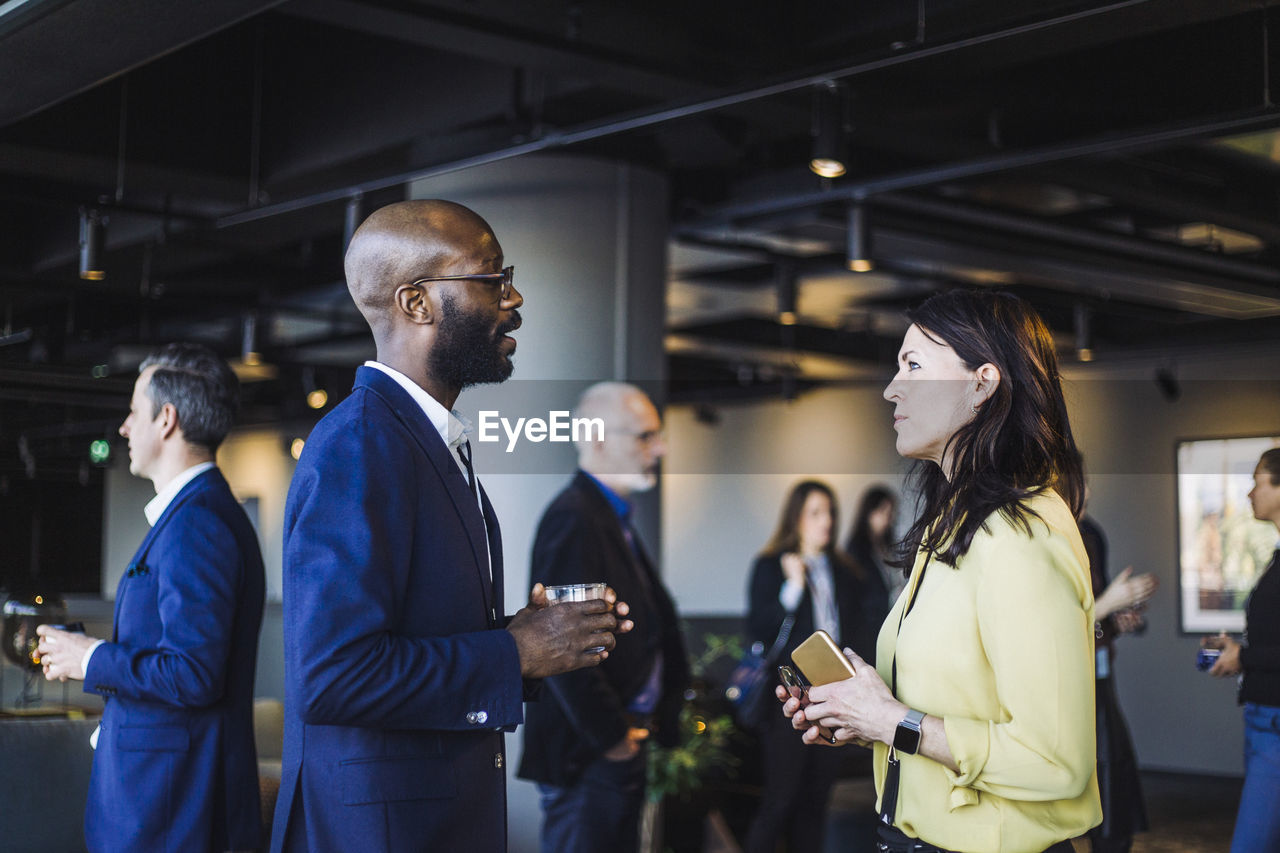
(872, 547)
(802, 574)
(980, 708)
(1256, 659)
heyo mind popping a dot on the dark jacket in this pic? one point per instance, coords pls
(1260, 659)
(855, 601)
(582, 714)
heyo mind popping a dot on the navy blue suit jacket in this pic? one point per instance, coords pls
(398, 678)
(175, 768)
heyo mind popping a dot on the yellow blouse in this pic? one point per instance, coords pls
(1000, 647)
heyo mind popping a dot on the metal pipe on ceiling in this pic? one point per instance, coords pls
(643, 119)
(1109, 143)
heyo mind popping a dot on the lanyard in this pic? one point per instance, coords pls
(889, 798)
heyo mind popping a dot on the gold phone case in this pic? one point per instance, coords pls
(821, 660)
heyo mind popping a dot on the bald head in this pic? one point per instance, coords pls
(627, 460)
(409, 240)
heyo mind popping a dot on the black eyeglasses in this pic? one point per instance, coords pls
(503, 278)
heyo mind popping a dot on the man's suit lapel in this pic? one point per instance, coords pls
(415, 420)
(495, 556)
(139, 561)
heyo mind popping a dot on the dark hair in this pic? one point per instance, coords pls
(861, 539)
(202, 388)
(787, 535)
(1270, 462)
(1018, 444)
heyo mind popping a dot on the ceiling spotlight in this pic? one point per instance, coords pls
(251, 366)
(317, 397)
(295, 447)
(1167, 382)
(828, 159)
(1084, 332)
(93, 230)
(785, 283)
(859, 249)
(352, 217)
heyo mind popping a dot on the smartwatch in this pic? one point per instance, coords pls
(906, 738)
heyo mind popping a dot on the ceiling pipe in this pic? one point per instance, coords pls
(1110, 143)
(643, 119)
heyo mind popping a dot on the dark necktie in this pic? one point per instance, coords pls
(464, 453)
(642, 573)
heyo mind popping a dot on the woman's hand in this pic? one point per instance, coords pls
(857, 710)
(793, 700)
(1229, 663)
(793, 568)
(1124, 593)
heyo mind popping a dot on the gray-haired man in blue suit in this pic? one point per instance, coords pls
(175, 768)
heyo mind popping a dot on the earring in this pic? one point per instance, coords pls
(974, 409)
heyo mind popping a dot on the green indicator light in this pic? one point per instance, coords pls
(100, 451)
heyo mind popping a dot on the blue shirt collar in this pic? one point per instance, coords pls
(621, 506)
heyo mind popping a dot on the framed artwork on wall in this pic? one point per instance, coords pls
(1222, 548)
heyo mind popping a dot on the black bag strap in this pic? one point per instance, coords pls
(911, 602)
(784, 634)
(889, 798)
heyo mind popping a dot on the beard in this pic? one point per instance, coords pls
(467, 352)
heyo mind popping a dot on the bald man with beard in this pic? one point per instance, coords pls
(401, 674)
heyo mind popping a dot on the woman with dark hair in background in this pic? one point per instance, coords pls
(980, 707)
(1257, 659)
(800, 573)
(871, 545)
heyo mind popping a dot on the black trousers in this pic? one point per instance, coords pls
(797, 783)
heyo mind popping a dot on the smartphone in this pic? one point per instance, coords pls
(793, 681)
(796, 686)
(821, 660)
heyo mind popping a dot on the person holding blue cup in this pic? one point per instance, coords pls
(1256, 658)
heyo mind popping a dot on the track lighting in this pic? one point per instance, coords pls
(1084, 332)
(352, 217)
(93, 230)
(859, 249)
(828, 159)
(317, 396)
(249, 354)
(785, 282)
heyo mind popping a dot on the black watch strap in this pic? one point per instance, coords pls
(906, 739)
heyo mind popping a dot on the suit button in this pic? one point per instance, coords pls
(477, 718)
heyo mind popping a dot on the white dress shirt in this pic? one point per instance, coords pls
(822, 595)
(455, 430)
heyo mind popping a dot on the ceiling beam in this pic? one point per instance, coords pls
(494, 41)
(78, 45)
